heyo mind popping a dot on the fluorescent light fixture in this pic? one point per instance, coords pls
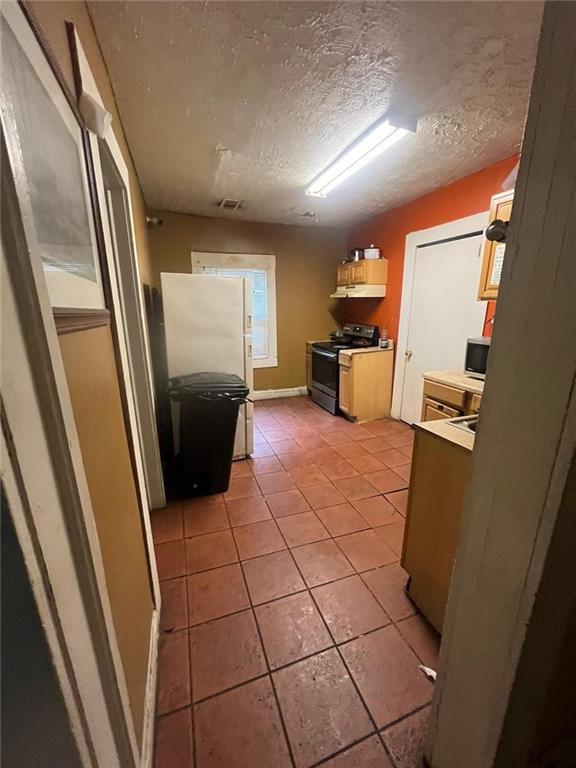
(376, 140)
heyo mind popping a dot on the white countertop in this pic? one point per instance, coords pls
(366, 350)
(443, 428)
(456, 379)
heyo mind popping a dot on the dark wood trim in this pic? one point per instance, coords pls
(36, 27)
(75, 320)
(71, 34)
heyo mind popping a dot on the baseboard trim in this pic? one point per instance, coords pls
(147, 754)
(271, 394)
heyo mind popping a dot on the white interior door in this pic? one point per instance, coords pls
(115, 200)
(244, 447)
(444, 313)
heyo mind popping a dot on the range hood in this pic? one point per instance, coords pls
(359, 292)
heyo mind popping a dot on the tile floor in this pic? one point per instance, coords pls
(287, 638)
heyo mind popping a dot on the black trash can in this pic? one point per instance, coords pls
(208, 413)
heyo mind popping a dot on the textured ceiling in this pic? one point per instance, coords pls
(250, 100)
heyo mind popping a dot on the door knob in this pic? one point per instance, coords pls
(408, 354)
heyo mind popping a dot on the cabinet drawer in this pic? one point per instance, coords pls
(444, 393)
(345, 361)
(432, 410)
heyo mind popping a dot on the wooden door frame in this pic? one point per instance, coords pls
(17, 222)
(126, 295)
(43, 473)
(452, 230)
(134, 361)
(513, 585)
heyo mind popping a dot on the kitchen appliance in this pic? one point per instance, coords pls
(359, 292)
(208, 327)
(324, 390)
(476, 361)
(372, 252)
(356, 254)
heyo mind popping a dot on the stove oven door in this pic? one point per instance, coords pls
(325, 371)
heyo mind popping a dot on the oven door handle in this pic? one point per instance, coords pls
(324, 353)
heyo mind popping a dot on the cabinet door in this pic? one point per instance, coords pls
(343, 274)
(358, 272)
(493, 254)
(376, 271)
(475, 402)
(345, 400)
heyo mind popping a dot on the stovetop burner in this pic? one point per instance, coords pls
(331, 346)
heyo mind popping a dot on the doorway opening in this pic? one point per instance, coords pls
(441, 261)
(118, 215)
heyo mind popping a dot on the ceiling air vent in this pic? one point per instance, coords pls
(230, 205)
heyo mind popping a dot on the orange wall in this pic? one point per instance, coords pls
(388, 231)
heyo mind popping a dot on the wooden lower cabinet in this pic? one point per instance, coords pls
(440, 473)
(366, 384)
(445, 401)
(475, 401)
(346, 389)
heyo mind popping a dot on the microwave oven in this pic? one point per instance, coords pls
(476, 360)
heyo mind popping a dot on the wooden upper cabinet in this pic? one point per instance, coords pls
(358, 272)
(369, 272)
(493, 254)
(343, 274)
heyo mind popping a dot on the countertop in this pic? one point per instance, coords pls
(366, 350)
(456, 379)
(443, 428)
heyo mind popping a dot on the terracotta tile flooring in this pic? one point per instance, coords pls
(287, 639)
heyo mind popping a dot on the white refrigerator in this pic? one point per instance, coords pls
(208, 327)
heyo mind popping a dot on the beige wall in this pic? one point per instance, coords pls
(306, 259)
(52, 17)
(92, 378)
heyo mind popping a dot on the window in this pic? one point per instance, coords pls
(261, 271)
